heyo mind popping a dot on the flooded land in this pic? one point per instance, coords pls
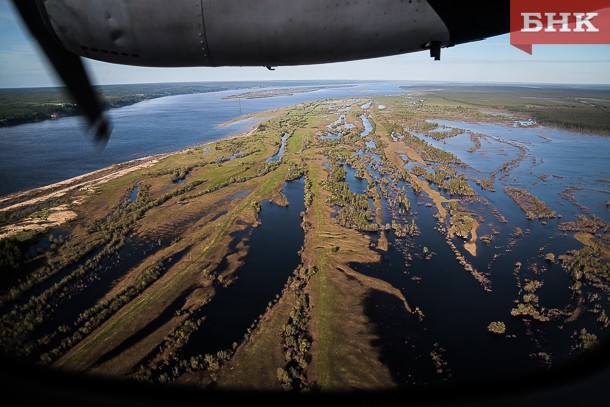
(363, 242)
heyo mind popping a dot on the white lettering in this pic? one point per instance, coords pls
(533, 22)
(530, 19)
(581, 21)
(551, 22)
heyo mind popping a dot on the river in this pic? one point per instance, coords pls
(38, 154)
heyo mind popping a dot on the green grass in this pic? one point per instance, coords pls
(582, 109)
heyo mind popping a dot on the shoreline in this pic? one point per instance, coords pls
(62, 212)
(12, 196)
(58, 104)
(66, 185)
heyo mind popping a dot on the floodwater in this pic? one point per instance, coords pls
(280, 153)
(456, 309)
(553, 160)
(368, 127)
(272, 257)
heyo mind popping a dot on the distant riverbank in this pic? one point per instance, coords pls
(31, 105)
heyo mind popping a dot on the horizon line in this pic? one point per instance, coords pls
(482, 83)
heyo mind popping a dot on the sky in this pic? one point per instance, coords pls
(494, 60)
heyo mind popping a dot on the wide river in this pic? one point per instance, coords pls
(38, 154)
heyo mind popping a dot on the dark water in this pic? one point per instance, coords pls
(271, 259)
(133, 195)
(456, 308)
(38, 154)
(356, 185)
(338, 127)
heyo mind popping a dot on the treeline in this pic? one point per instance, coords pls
(177, 173)
(587, 224)
(214, 188)
(295, 171)
(296, 340)
(18, 106)
(532, 206)
(15, 115)
(108, 237)
(587, 265)
(461, 224)
(398, 204)
(93, 317)
(530, 307)
(575, 118)
(167, 362)
(308, 194)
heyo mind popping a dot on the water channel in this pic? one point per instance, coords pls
(272, 257)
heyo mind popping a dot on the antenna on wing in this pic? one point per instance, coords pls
(435, 50)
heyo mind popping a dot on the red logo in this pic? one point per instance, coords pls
(559, 22)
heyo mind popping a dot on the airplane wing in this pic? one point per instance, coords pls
(268, 33)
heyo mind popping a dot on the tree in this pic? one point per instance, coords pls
(588, 340)
(497, 327)
(10, 254)
(284, 378)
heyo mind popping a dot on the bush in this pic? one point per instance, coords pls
(10, 254)
(497, 327)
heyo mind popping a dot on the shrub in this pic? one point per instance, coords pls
(497, 327)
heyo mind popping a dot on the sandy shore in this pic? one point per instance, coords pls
(57, 215)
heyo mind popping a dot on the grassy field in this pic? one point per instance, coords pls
(572, 108)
